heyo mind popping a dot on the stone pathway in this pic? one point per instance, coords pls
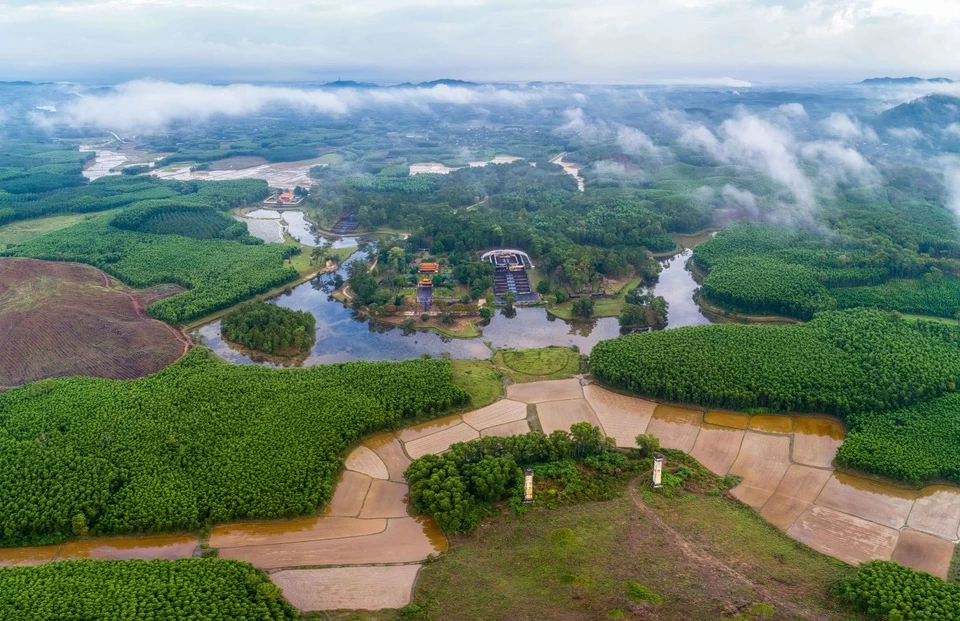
(364, 551)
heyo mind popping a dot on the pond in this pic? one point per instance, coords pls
(270, 224)
(343, 335)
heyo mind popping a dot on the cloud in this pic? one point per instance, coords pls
(951, 178)
(145, 105)
(609, 168)
(905, 134)
(841, 126)
(605, 40)
(769, 144)
(634, 142)
(792, 110)
(577, 125)
(839, 164)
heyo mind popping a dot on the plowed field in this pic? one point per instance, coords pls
(60, 319)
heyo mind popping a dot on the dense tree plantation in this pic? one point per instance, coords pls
(173, 217)
(755, 268)
(218, 273)
(932, 294)
(200, 442)
(196, 589)
(886, 590)
(269, 328)
(916, 444)
(459, 487)
(853, 363)
(43, 179)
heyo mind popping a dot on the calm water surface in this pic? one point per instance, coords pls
(342, 335)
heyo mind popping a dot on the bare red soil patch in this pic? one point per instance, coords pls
(62, 319)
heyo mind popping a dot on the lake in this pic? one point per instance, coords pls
(343, 335)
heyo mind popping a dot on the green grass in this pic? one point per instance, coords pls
(531, 365)
(514, 566)
(604, 307)
(19, 232)
(480, 379)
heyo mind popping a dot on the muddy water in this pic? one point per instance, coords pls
(771, 423)
(571, 169)
(433, 532)
(163, 546)
(727, 419)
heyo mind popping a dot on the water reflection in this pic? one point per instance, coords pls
(293, 222)
(677, 286)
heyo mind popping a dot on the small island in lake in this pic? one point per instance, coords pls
(270, 329)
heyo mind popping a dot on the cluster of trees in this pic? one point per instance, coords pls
(935, 294)
(269, 328)
(643, 309)
(217, 273)
(173, 217)
(36, 167)
(459, 487)
(886, 590)
(202, 589)
(200, 442)
(854, 363)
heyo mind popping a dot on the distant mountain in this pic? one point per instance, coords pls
(350, 84)
(928, 112)
(904, 81)
(446, 82)
(432, 83)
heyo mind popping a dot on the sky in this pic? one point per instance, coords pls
(599, 41)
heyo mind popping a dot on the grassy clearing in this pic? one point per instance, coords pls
(19, 232)
(534, 365)
(604, 559)
(604, 307)
(480, 379)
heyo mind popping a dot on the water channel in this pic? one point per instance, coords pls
(344, 335)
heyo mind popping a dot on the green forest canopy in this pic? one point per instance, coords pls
(200, 589)
(200, 442)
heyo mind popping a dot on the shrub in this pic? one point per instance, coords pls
(637, 593)
(459, 487)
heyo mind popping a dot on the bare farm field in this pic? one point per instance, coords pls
(63, 319)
